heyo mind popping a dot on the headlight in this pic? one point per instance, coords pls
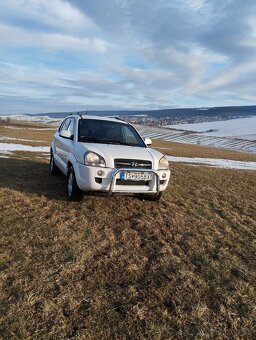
(93, 159)
(163, 163)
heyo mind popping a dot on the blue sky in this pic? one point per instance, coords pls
(126, 54)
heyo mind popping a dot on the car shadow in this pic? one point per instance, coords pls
(31, 177)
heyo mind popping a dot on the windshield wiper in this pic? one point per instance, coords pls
(132, 144)
(89, 139)
(121, 143)
(112, 141)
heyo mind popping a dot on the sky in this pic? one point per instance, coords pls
(126, 54)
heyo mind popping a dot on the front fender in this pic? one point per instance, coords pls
(52, 147)
(71, 159)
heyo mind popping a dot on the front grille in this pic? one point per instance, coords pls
(132, 163)
(130, 182)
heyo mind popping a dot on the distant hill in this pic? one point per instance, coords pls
(225, 112)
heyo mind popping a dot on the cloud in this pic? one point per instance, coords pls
(231, 33)
(241, 77)
(59, 14)
(17, 37)
(81, 88)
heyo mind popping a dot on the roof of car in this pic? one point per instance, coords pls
(112, 119)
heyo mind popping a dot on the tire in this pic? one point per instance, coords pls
(73, 191)
(153, 198)
(54, 170)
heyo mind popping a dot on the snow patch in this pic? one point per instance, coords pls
(29, 128)
(215, 162)
(20, 147)
(5, 154)
(21, 139)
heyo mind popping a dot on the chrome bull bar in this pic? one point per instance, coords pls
(112, 183)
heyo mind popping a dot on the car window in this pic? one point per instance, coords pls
(108, 132)
(71, 126)
(65, 124)
(61, 125)
(129, 135)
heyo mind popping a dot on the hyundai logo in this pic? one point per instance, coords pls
(135, 164)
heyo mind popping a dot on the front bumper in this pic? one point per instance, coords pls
(89, 179)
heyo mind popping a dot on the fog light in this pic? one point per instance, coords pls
(100, 173)
(163, 175)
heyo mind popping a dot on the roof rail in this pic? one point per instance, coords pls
(117, 117)
(76, 113)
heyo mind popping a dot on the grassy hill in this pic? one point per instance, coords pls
(123, 268)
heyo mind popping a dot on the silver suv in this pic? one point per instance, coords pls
(108, 155)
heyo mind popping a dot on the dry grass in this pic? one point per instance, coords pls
(184, 150)
(122, 268)
(43, 135)
(24, 124)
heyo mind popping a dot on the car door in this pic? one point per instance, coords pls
(67, 143)
(60, 145)
(57, 144)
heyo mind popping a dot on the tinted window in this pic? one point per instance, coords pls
(107, 132)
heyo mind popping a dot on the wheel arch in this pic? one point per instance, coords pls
(52, 147)
(70, 161)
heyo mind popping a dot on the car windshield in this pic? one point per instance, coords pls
(108, 132)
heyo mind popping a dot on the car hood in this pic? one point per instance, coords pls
(110, 151)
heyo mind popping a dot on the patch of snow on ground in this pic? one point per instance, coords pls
(29, 128)
(219, 163)
(21, 139)
(244, 128)
(5, 154)
(20, 147)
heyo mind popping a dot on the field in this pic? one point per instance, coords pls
(120, 267)
(241, 128)
(240, 141)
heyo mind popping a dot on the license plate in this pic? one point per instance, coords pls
(135, 176)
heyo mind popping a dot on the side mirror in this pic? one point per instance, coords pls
(66, 134)
(147, 141)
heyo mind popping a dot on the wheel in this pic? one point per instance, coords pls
(73, 191)
(154, 198)
(54, 170)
